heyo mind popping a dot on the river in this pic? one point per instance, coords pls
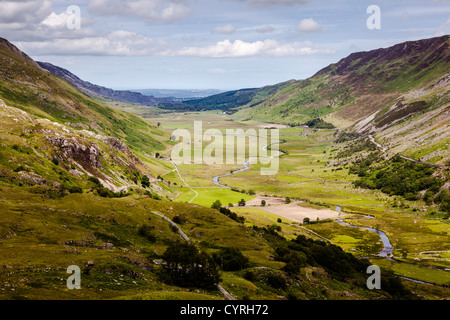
(387, 246)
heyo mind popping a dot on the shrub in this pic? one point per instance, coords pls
(231, 259)
(147, 232)
(75, 189)
(145, 182)
(179, 219)
(276, 280)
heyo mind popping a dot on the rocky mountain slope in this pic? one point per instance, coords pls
(96, 90)
(54, 136)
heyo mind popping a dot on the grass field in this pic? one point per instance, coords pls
(306, 172)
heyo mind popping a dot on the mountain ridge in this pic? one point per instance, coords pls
(104, 92)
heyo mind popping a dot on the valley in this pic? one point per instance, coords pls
(316, 186)
(94, 182)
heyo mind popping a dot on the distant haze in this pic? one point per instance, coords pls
(179, 94)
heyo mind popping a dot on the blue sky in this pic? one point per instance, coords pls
(200, 44)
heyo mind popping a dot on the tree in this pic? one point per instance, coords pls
(145, 182)
(157, 155)
(216, 205)
(241, 203)
(251, 192)
(306, 220)
(287, 200)
(231, 259)
(184, 265)
(263, 203)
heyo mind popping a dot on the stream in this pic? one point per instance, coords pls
(216, 179)
(387, 250)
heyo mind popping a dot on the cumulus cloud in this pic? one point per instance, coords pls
(241, 49)
(125, 43)
(227, 29)
(148, 10)
(308, 25)
(25, 11)
(117, 43)
(56, 20)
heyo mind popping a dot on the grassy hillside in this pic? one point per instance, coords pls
(56, 137)
(24, 85)
(358, 85)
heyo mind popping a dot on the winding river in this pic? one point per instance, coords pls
(387, 250)
(387, 246)
(216, 179)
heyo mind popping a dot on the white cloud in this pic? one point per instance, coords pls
(227, 29)
(117, 43)
(240, 49)
(56, 20)
(125, 43)
(148, 10)
(308, 25)
(25, 11)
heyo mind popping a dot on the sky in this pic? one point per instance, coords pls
(211, 44)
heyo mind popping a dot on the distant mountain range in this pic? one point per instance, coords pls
(96, 90)
(179, 94)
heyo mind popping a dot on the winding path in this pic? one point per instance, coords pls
(385, 150)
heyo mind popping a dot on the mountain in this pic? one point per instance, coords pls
(54, 136)
(399, 94)
(231, 99)
(96, 90)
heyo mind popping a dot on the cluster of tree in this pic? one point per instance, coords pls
(231, 259)
(400, 177)
(232, 215)
(319, 123)
(301, 252)
(185, 266)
